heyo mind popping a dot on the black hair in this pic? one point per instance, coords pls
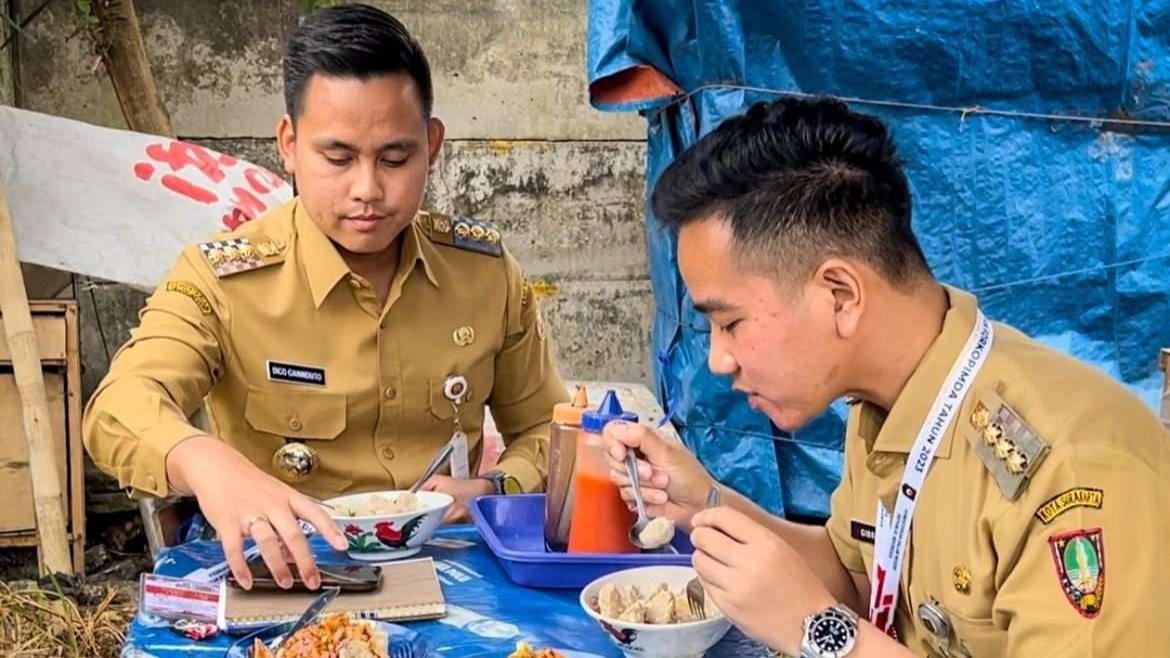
(798, 180)
(352, 41)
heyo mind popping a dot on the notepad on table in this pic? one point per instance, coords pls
(409, 591)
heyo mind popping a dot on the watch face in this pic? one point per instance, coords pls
(512, 485)
(830, 634)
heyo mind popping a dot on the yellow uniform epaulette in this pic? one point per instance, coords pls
(234, 255)
(462, 232)
(1005, 444)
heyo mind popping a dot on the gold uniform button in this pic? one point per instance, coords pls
(391, 393)
(294, 424)
(388, 453)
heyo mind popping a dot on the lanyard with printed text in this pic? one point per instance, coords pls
(893, 532)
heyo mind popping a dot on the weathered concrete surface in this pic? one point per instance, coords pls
(567, 209)
(502, 68)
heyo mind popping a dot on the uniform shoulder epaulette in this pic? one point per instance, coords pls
(235, 255)
(1005, 444)
(461, 232)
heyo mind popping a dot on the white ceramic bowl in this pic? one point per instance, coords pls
(687, 640)
(389, 536)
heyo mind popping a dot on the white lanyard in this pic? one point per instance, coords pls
(892, 533)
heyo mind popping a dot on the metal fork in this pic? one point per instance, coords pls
(696, 595)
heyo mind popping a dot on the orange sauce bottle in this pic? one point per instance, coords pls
(600, 521)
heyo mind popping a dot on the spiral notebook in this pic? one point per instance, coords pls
(410, 590)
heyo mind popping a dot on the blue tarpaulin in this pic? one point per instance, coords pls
(1036, 141)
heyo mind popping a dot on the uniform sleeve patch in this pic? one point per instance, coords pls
(195, 294)
(1070, 499)
(1079, 557)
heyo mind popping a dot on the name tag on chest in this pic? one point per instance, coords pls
(862, 532)
(293, 373)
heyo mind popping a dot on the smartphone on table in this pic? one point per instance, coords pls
(348, 578)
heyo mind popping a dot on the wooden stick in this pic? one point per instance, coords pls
(48, 499)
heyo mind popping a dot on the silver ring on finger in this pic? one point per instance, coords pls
(253, 520)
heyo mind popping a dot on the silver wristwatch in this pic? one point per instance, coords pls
(830, 633)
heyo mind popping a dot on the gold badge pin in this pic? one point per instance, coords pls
(1004, 448)
(247, 252)
(215, 257)
(961, 577)
(440, 224)
(464, 336)
(981, 417)
(462, 230)
(1017, 462)
(295, 461)
(493, 236)
(270, 247)
(478, 232)
(992, 434)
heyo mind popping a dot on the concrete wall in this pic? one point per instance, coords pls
(525, 150)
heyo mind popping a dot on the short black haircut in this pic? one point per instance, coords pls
(798, 180)
(352, 41)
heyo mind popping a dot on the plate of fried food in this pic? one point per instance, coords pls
(333, 636)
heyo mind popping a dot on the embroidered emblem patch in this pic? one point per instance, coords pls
(196, 295)
(1066, 500)
(1079, 557)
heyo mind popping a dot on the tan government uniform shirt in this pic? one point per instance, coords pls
(1043, 526)
(286, 344)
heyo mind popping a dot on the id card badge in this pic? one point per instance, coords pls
(460, 460)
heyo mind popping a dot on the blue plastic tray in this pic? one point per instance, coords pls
(513, 529)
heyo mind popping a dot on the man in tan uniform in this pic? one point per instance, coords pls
(341, 340)
(998, 498)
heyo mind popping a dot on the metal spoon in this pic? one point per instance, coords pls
(436, 464)
(635, 535)
(316, 607)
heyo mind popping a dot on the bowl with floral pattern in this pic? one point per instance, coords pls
(388, 525)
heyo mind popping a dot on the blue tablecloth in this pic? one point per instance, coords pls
(487, 613)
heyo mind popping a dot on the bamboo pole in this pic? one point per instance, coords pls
(48, 499)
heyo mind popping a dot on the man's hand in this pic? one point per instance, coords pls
(463, 491)
(757, 580)
(239, 501)
(674, 483)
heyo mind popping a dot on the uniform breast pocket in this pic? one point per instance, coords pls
(296, 415)
(312, 418)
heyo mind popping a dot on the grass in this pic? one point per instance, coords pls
(39, 621)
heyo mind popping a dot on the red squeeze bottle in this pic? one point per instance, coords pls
(601, 521)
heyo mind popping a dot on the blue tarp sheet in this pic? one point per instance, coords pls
(1058, 224)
